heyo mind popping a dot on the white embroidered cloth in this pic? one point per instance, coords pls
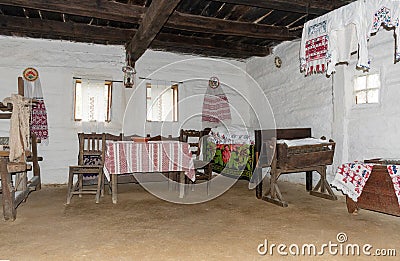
(329, 39)
(351, 178)
(216, 109)
(232, 134)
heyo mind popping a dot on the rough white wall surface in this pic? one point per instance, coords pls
(194, 73)
(59, 61)
(296, 100)
(373, 129)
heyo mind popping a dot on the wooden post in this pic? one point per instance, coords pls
(309, 186)
(36, 167)
(8, 192)
(21, 86)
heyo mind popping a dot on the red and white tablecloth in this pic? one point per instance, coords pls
(160, 156)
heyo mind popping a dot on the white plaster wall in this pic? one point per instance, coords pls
(194, 73)
(59, 61)
(296, 101)
(373, 130)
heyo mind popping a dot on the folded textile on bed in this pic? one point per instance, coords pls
(233, 134)
(351, 178)
(302, 142)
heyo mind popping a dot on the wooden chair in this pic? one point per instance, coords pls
(203, 169)
(90, 161)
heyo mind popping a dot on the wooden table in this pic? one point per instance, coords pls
(126, 157)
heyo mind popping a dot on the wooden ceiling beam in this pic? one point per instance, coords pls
(21, 26)
(164, 40)
(316, 7)
(102, 9)
(212, 25)
(156, 16)
(78, 32)
(119, 12)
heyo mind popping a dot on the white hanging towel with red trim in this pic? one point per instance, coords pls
(216, 110)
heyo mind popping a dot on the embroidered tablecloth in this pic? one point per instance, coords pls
(351, 178)
(124, 157)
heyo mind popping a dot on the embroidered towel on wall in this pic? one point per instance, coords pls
(216, 108)
(386, 13)
(329, 39)
(38, 123)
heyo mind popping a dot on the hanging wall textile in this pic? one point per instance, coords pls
(216, 108)
(33, 89)
(387, 13)
(331, 38)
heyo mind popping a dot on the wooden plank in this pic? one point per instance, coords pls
(165, 40)
(224, 27)
(317, 7)
(130, 14)
(156, 16)
(8, 192)
(75, 31)
(102, 9)
(4, 116)
(20, 86)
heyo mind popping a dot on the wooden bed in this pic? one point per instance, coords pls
(282, 159)
(378, 193)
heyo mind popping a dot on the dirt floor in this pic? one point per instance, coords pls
(231, 227)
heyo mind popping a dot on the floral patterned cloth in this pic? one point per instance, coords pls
(351, 178)
(234, 160)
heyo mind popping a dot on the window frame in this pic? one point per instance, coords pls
(109, 84)
(367, 89)
(175, 101)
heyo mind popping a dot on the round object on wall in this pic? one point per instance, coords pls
(30, 74)
(213, 82)
(278, 62)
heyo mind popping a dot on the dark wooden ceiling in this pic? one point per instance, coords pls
(219, 28)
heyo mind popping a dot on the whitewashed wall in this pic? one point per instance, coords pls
(327, 104)
(296, 101)
(373, 130)
(194, 73)
(59, 61)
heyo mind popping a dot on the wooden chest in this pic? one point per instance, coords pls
(378, 193)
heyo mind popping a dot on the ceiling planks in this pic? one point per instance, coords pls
(317, 7)
(225, 28)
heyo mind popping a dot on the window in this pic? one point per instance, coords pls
(92, 100)
(162, 101)
(366, 88)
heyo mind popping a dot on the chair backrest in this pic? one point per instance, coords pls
(193, 138)
(113, 137)
(91, 148)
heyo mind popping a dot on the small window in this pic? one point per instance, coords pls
(92, 101)
(366, 88)
(162, 102)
